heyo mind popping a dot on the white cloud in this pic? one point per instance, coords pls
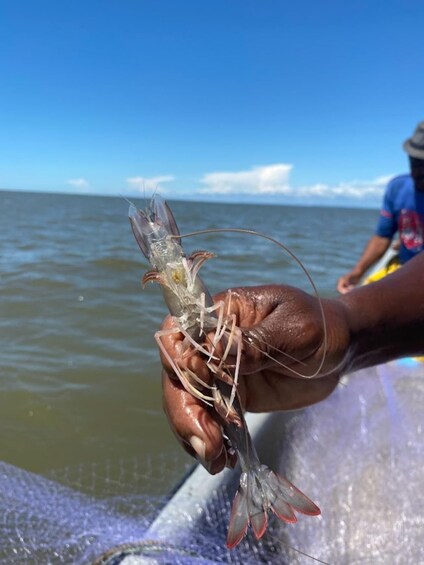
(80, 184)
(382, 181)
(355, 189)
(270, 179)
(145, 184)
(275, 180)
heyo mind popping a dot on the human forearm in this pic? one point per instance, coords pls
(386, 319)
(374, 250)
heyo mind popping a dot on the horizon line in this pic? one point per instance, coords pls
(252, 200)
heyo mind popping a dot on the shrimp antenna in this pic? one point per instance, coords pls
(299, 551)
(305, 271)
(128, 201)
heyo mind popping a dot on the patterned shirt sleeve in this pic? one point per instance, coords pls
(387, 223)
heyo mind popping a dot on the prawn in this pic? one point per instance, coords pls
(196, 315)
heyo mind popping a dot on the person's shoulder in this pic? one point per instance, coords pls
(400, 180)
(399, 184)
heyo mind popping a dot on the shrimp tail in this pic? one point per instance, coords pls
(261, 490)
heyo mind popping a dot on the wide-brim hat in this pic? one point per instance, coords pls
(414, 146)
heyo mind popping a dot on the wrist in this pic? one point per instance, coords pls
(339, 338)
(358, 270)
(365, 320)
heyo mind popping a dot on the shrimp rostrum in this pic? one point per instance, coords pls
(197, 317)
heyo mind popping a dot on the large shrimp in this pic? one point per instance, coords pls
(196, 316)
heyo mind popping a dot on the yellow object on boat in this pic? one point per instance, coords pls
(392, 266)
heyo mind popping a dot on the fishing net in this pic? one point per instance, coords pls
(359, 455)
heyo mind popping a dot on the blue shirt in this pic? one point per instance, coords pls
(403, 211)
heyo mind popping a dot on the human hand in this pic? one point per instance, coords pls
(287, 327)
(348, 282)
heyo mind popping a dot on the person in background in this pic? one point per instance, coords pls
(370, 325)
(402, 211)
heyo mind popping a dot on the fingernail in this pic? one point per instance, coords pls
(199, 447)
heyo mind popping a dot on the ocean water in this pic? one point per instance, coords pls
(79, 369)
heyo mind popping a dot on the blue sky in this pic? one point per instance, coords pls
(289, 101)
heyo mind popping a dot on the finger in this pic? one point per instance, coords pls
(193, 425)
(172, 341)
(341, 286)
(344, 286)
(177, 353)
